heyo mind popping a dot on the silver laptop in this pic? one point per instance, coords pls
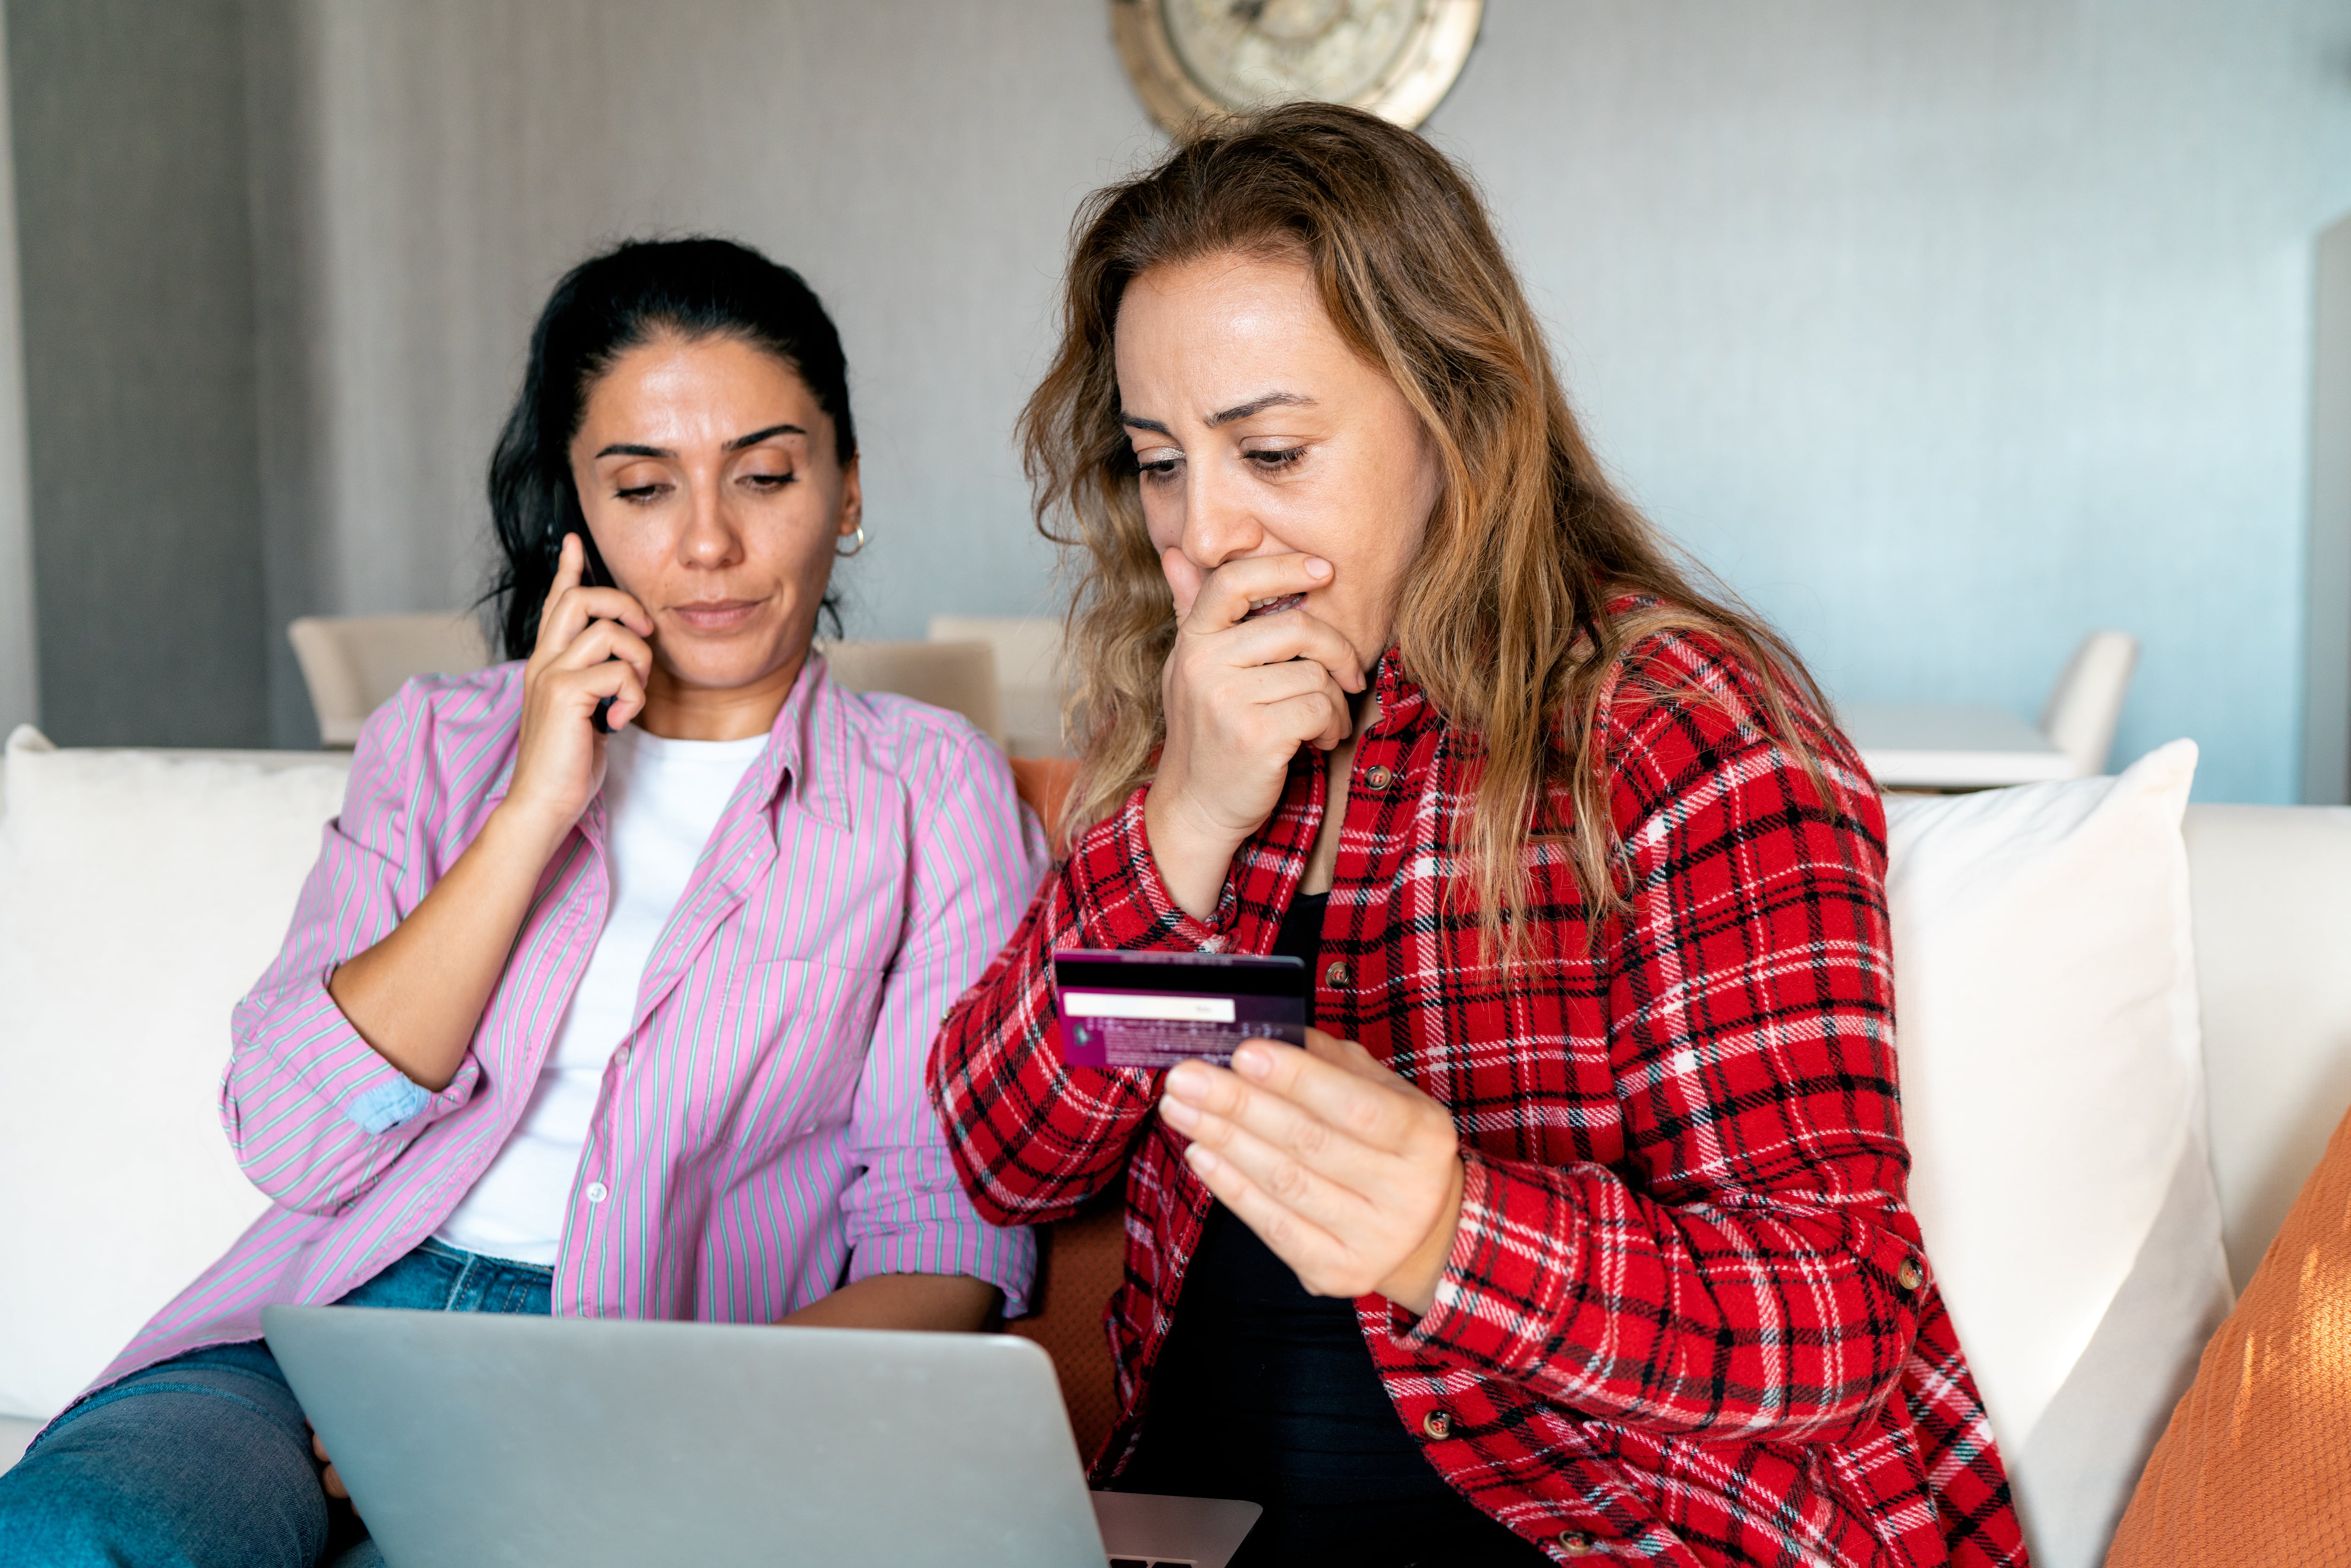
(482, 1437)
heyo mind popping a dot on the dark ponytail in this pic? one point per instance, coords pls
(603, 309)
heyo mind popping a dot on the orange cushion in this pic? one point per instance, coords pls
(1043, 784)
(2256, 1464)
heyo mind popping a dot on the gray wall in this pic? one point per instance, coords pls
(2327, 692)
(136, 273)
(1947, 333)
(294, 375)
(20, 698)
(918, 161)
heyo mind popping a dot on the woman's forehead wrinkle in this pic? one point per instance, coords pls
(1224, 416)
(1259, 405)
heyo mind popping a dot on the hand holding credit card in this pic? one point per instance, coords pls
(1154, 1010)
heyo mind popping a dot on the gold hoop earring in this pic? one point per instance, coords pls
(857, 548)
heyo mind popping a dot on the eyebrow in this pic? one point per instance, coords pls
(757, 437)
(1259, 405)
(629, 449)
(1238, 411)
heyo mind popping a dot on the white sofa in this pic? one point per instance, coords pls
(140, 893)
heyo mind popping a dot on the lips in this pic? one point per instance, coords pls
(1274, 606)
(716, 615)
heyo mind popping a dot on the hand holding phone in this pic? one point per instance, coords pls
(592, 575)
(593, 654)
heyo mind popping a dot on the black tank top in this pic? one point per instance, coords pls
(1267, 1393)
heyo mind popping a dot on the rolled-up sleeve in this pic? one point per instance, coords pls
(313, 1113)
(975, 858)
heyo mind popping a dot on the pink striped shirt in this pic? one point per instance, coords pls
(764, 1125)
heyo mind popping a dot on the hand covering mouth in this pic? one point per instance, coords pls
(1273, 606)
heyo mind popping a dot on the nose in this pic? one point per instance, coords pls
(1220, 521)
(710, 538)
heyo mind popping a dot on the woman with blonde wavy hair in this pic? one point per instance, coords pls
(1578, 1227)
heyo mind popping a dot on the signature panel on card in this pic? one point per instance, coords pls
(1156, 1010)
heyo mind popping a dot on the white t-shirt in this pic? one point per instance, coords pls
(661, 799)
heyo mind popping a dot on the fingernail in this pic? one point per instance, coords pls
(1179, 1115)
(1184, 1079)
(1317, 567)
(1250, 1060)
(1200, 1158)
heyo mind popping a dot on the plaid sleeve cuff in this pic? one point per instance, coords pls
(1120, 899)
(1500, 1299)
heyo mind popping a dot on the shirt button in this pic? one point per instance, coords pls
(1908, 1275)
(1377, 777)
(1575, 1543)
(1337, 975)
(1437, 1425)
(598, 1192)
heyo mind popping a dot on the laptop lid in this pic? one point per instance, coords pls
(478, 1439)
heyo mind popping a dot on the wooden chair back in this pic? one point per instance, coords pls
(353, 664)
(959, 676)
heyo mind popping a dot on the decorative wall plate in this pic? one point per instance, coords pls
(1200, 58)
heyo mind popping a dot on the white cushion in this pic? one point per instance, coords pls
(2075, 1477)
(2051, 1081)
(139, 895)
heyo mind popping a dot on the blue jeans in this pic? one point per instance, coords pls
(203, 1461)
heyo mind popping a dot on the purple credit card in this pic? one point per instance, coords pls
(1156, 1010)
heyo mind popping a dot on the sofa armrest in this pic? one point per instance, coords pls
(2273, 972)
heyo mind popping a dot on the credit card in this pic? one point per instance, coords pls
(1156, 1010)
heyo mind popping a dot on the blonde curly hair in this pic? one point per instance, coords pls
(1502, 619)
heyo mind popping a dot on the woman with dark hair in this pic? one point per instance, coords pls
(611, 991)
(1582, 1231)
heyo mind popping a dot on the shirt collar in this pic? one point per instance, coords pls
(1401, 698)
(803, 757)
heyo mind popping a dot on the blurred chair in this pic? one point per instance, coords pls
(1027, 673)
(960, 676)
(1983, 746)
(353, 662)
(2087, 702)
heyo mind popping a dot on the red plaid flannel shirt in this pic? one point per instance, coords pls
(1687, 1317)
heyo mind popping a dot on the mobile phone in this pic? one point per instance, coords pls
(1156, 1010)
(592, 575)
